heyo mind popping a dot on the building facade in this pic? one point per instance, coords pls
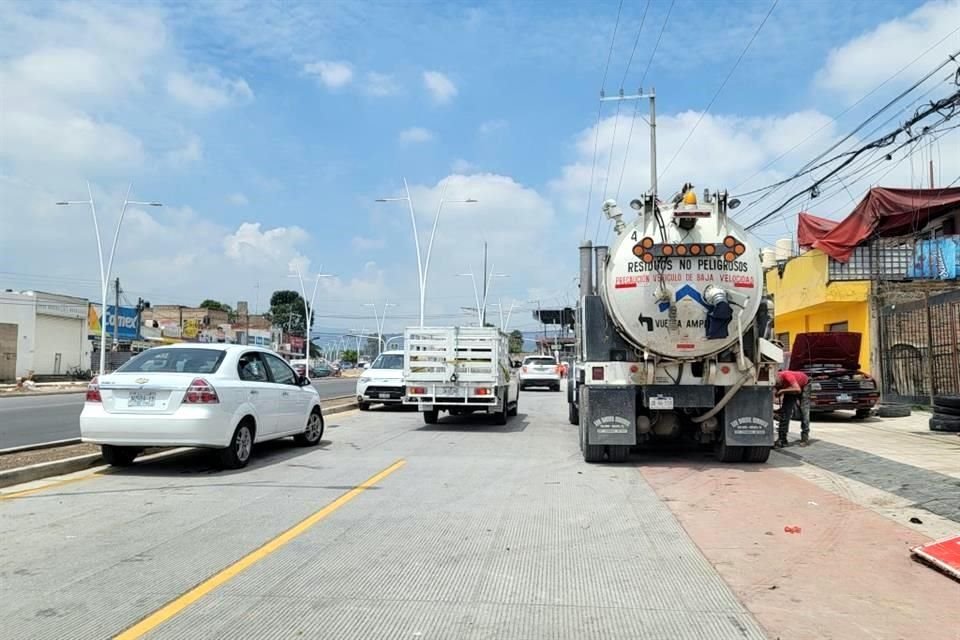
(43, 333)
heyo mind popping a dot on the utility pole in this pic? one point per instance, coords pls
(652, 122)
(483, 310)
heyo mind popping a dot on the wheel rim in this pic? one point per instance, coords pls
(313, 427)
(244, 443)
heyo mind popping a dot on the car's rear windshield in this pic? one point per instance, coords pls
(175, 361)
(388, 361)
(543, 360)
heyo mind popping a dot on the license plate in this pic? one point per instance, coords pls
(447, 391)
(384, 396)
(844, 397)
(662, 403)
(141, 399)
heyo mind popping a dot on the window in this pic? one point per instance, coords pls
(784, 339)
(388, 361)
(167, 360)
(280, 370)
(837, 326)
(251, 368)
(540, 360)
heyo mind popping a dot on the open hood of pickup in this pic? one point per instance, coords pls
(826, 348)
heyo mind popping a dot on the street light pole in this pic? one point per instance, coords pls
(380, 320)
(423, 266)
(476, 294)
(105, 272)
(308, 309)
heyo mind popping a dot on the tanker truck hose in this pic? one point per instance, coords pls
(724, 400)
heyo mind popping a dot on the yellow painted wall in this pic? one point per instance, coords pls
(804, 301)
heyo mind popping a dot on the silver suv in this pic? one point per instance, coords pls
(540, 371)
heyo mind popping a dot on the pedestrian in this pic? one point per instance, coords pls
(793, 391)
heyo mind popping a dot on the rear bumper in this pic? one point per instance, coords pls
(540, 380)
(198, 427)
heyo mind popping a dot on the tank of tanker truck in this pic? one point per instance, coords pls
(675, 335)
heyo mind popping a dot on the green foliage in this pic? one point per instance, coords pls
(215, 305)
(349, 355)
(286, 309)
(516, 341)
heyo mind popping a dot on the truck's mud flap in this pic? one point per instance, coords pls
(748, 418)
(609, 415)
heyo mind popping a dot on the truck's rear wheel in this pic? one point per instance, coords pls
(728, 453)
(593, 453)
(431, 416)
(618, 453)
(756, 454)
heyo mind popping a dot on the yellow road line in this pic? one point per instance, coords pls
(50, 485)
(173, 608)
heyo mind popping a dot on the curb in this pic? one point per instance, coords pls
(43, 470)
(43, 445)
(30, 394)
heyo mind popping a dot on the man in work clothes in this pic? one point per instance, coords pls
(793, 388)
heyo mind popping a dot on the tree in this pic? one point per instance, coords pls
(516, 341)
(286, 310)
(349, 355)
(215, 305)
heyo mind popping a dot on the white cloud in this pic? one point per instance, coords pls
(249, 245)
(866, 61)
(462, 166)
(207, 90)
(416, 135)
(332, 74)
(238, 199)
(190, 152)
(441, 88)
(381, 84)
(492, 126)
(361, 243)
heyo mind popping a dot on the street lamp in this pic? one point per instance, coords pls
(424, 268)
(105, 272)
(379, 319)
(476, 294)
(308, 323)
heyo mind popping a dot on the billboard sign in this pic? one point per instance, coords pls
(937, 259)
(126, 321)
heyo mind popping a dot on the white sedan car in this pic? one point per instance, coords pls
(382, 382)
(226, 397)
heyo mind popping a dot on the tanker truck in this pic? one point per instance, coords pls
(674, 333)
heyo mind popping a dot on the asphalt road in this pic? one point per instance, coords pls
(387, 529)
(37, 419)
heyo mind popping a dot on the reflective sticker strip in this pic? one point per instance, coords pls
(686, 345)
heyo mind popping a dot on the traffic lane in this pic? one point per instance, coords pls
(156, 529)
(41, 418)
(38, 419)
(486, 531)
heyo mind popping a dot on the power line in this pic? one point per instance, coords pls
(720, 89)
(839, 115)
(636, 41)
(596, 136)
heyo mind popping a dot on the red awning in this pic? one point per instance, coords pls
(885, 213)
(811, 228)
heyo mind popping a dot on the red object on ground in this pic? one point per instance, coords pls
(793, 529)
(884, 213)
(811, 228)
(943, 554)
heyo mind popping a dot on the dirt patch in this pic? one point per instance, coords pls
(14, 460)
(26, 458)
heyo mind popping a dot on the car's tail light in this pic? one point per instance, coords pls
(201, 392)
(93, 390)
(597, 373)
(418, 391)
(481, 391)
(559, 369)
(524, 369)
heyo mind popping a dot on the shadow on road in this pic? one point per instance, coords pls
(478, 423)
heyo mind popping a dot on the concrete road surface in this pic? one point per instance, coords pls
(36, 419)
(388, 529)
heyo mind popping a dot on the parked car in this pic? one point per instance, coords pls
(321, 371)
(382, 382)
(225, 397)
(832, 362)
(540, 371)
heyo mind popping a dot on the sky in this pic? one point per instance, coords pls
(268, 130)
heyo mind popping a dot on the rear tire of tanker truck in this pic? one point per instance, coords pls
(728, 453)
(756, 454)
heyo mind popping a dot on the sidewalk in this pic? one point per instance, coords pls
(43, 388)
